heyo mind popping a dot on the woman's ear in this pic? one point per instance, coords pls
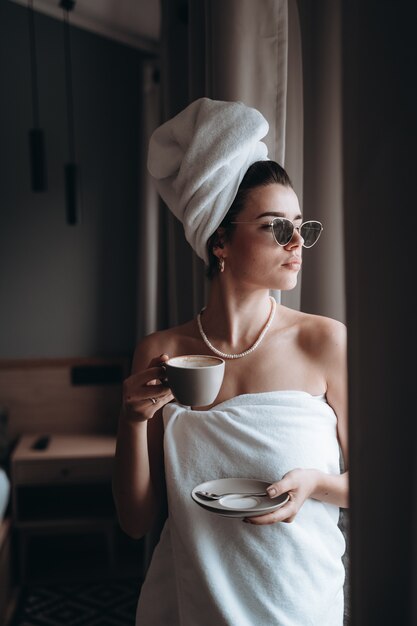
(219, 241)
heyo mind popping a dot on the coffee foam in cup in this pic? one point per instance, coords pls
(194, 361)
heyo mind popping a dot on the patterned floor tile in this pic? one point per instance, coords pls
(104, 603)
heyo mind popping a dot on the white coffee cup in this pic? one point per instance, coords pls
(195, 379)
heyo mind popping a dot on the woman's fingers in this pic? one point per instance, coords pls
(149, 391)
(158, 360)
(142, 407)
(286, 514)
(137, 383)
(146, 391)
(160, 400)
(299, 483)
(281, 486)
(152, 373)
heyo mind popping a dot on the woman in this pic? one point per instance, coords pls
(280, 414)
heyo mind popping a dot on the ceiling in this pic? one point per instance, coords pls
(132, 22)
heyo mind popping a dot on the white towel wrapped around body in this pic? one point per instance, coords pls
(211, 570)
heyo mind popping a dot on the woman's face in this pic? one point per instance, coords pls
(251, 254)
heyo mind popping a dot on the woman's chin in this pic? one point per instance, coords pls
(287, 285)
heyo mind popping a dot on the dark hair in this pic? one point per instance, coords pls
(259, 174)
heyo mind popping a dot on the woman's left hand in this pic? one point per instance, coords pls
(299, 484)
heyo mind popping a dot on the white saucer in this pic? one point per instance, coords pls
(238, 506)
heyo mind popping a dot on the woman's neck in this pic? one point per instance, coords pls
(235, 317)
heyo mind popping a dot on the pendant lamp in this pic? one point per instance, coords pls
(72, 201)
(36, 135)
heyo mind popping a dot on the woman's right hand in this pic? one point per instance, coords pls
(145, 392)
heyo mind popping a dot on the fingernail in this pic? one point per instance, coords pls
(272, 491)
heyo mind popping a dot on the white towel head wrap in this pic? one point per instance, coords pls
(198, 159)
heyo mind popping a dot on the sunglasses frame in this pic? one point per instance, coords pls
(285, 219)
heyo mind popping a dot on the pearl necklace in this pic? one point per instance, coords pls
(249, 350)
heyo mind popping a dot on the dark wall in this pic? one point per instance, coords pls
(380, 138)
(68, 290)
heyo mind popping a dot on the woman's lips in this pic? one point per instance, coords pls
(293, 264)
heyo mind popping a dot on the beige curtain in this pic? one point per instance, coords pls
(242, 47)
(323, 284)
(293, 157)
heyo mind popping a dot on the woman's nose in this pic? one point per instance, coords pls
(296, 240)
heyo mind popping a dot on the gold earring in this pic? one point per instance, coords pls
(221, 264)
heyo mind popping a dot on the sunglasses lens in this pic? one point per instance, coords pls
(283, 231)
(310, 232)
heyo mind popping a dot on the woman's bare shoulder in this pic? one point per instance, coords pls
(324, 337)
(169, 341)
(318, 333)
